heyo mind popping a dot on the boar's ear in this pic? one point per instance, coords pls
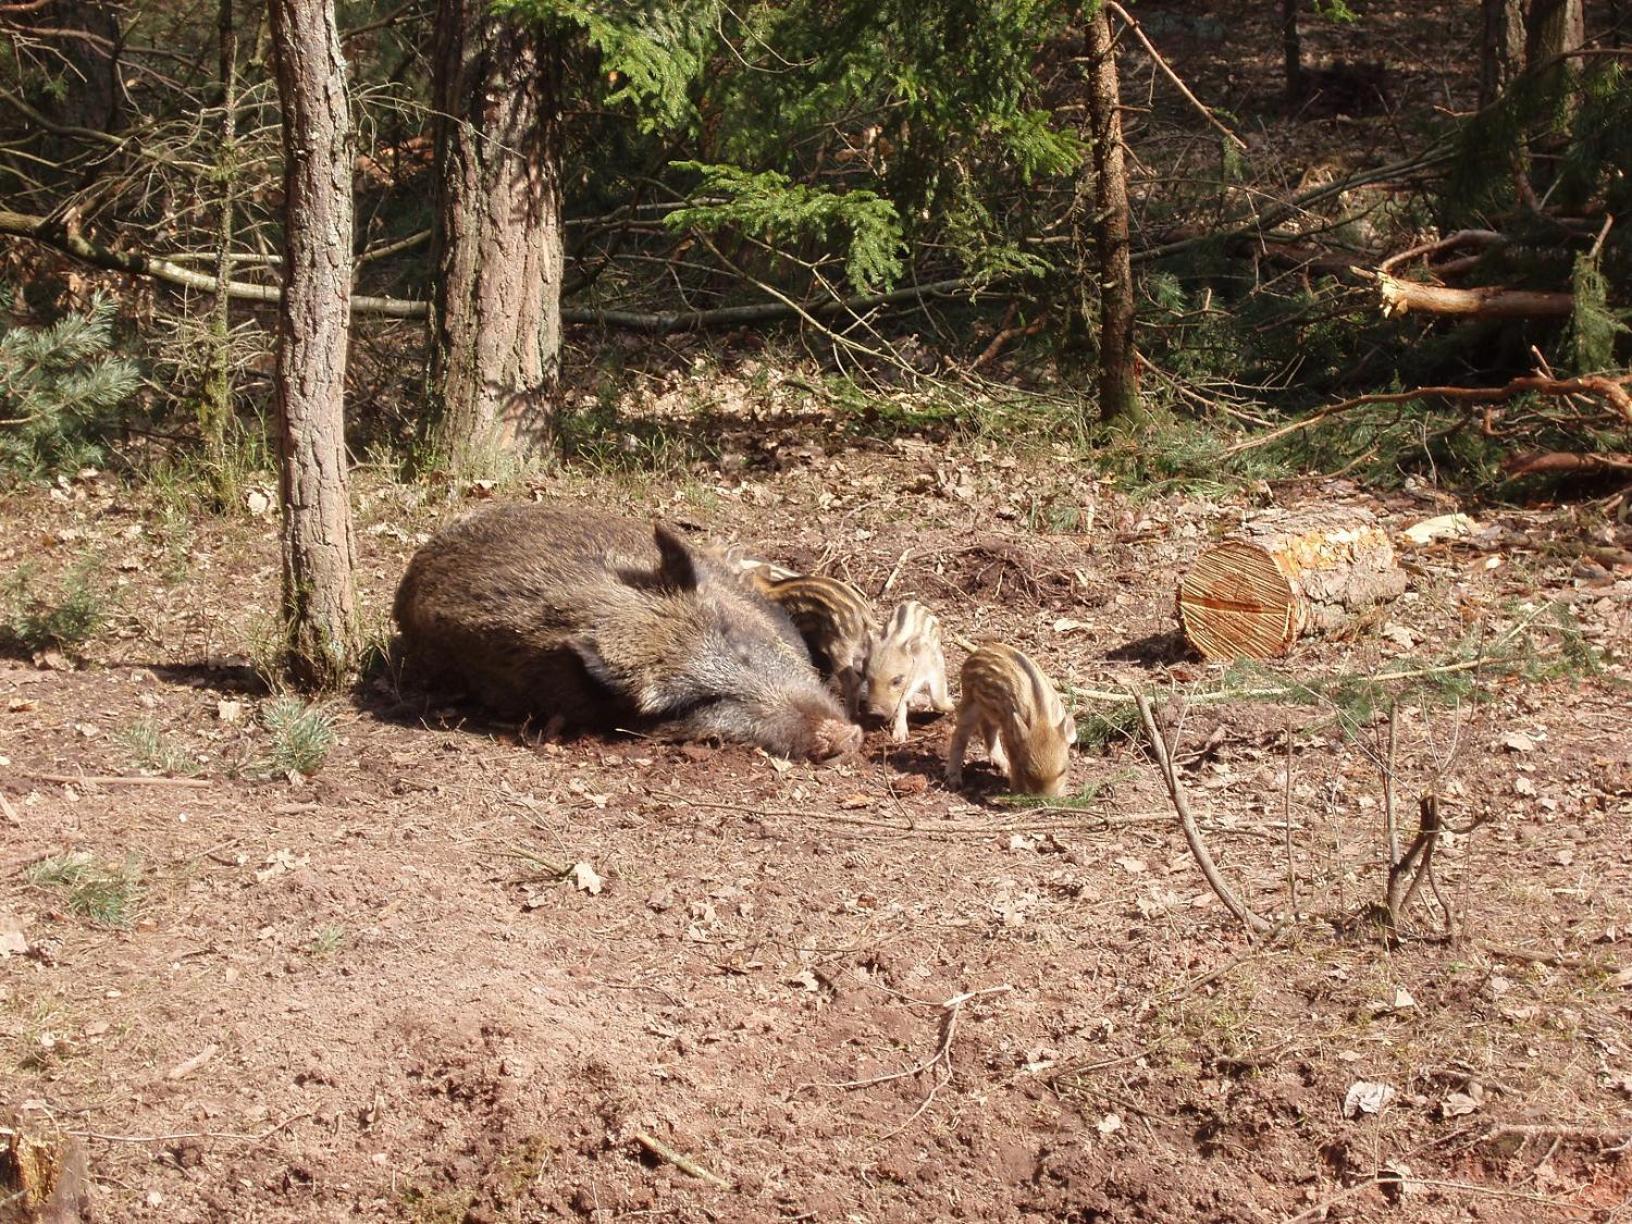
(589, 655)
(678, 568)
(1068, 728)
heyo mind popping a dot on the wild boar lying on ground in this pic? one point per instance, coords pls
(601, 621)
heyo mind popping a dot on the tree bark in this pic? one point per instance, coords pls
(496, 317)
(319, 595)
(1118, 363)
(1292, 53)
(1501, 49)
(1554, 28)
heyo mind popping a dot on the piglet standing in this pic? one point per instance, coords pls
(1010, 707)
(905, 662)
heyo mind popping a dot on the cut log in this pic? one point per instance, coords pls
(1284, 574)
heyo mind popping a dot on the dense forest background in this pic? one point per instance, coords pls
(1163, 231)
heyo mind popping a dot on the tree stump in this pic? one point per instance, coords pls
(1284, 574)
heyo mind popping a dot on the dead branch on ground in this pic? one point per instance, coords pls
(679, 1160)
(1254, 923)
(1485, 239)
(1486, 302)
(1608, 387)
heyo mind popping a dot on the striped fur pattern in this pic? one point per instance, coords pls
(905, 663)
(836, 622)
(1011, 709)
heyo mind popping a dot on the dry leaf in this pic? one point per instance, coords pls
(583, 876)
(853, 802)
(1518, 741)
(1443, 527)
(12, 940)
(1367, 1097)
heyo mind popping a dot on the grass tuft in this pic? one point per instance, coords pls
(302, 734)
(157, 751)
(103, 892)
(68, 619)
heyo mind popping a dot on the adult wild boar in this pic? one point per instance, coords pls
(602, 621)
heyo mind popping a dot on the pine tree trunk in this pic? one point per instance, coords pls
(1501, 49)
(1292, 52)
(496, 318)
(85, 37)
(319, 597)
(1118, 373)
(1554, 28)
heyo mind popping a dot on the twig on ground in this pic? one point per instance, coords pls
(1254, 923)
(680, 1161)
(259, 1137)
(1558, 960)
(1286, 825)
(115, 780)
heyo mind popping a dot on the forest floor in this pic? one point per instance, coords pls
(842, 991)
(839, 992)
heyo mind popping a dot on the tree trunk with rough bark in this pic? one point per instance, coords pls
(1292, 53)
(1501, 48)
(1554, 28)
(1118, 371)
(87, 39)
(496, 318)
(319, 595)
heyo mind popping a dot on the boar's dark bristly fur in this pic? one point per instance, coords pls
(602, 621)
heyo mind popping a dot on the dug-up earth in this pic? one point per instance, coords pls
(456, 974)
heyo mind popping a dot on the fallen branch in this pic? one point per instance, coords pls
(1558, 462)
(71, 242)
(1462, 238)
(1486, 302)
(1608, 387)
(941, 1058)
(1254, 923)
(258, 1137)
(682, 1162)
(1005, 333)
(115, 780)
(1556, 1130)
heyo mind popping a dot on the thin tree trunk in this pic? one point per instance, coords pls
(1118, 371)
(1501, 49)
(496, 318)
(1292, 52)
(319, 597)
(215, 412)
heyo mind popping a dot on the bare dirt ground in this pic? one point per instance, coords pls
(842, 992)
